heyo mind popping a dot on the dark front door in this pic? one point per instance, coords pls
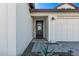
(39, 29)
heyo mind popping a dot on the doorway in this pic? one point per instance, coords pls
(39, 29)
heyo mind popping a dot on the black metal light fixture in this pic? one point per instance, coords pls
(53, 18)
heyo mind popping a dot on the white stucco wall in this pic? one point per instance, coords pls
(15, 28)
(7, 29)
(23, 27)
(51, 29)
(3, 29)
(11, 29)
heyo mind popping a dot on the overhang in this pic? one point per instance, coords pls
(54, 10)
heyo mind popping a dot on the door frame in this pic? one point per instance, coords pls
(42, 29)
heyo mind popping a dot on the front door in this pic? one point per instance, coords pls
(39, 29)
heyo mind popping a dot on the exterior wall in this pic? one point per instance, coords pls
(51, 29)
(3, 29)
(7, 29)
(33, 28)
(15, 28)
(65, 27)
(23, 27)
(66, 6)
(46, 33)
(11, 29)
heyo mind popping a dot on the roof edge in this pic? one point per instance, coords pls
(54, 10)
(67, 3)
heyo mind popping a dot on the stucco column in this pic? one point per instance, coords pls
(51, 29)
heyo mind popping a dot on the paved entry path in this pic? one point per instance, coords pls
(34, 47)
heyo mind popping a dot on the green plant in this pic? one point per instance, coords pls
(45, 52)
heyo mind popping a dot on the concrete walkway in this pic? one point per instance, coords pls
(34, 47)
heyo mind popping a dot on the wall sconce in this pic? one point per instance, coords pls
(53, 18)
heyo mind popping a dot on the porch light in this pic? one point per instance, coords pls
(53, 18)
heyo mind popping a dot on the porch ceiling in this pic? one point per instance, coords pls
(39, 17)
